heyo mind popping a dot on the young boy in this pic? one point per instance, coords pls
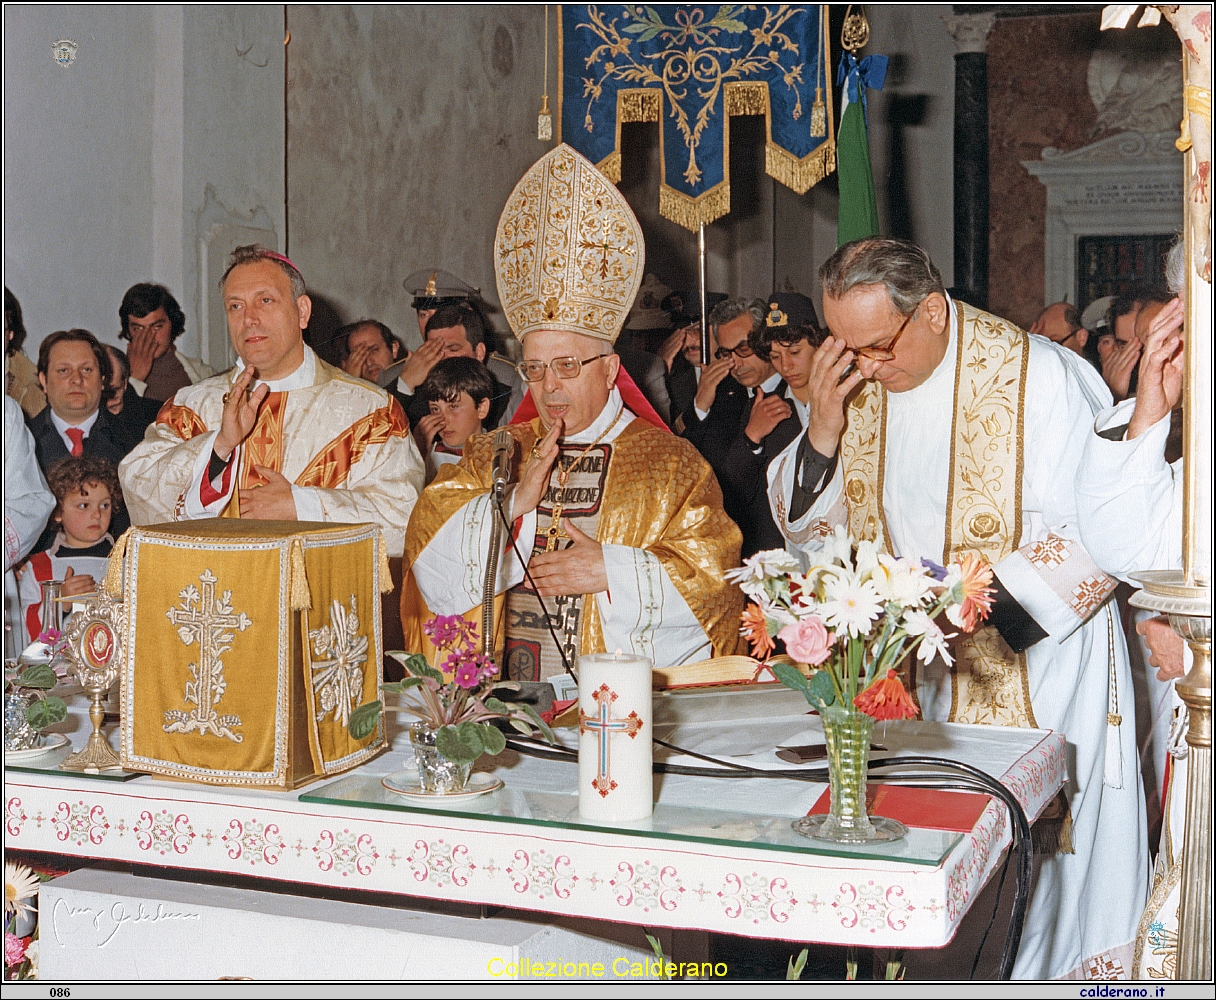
(86, 496)
(459, 392)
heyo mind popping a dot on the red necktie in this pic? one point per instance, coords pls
(77, 436)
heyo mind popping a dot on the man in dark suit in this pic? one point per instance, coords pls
(73, 369)
(752, 417)
(681, 351)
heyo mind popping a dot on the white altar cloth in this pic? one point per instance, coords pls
(727, 862)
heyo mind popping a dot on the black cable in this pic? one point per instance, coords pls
(544, 609)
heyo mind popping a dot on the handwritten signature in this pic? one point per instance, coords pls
(118, 915)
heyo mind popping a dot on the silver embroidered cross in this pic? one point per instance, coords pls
(338, 681)
(201, 618)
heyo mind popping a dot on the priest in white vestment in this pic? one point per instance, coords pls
(283, 436)
(619, 522)
(1129, 508)
(27, 501)
(962, 433)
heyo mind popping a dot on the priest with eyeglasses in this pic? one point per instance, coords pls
(618, 522)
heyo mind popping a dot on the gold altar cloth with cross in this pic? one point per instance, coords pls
(249, 644)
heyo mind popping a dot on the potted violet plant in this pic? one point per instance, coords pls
(453, 706)
(854, 618)
(29, 706)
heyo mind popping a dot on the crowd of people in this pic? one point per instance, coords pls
(150, 434)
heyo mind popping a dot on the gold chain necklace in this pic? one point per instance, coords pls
(563, 474)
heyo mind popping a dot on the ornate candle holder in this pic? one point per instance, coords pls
(94, 656)
(1189, 607)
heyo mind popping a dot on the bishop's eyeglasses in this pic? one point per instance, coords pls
(887, 351)
(534, 371)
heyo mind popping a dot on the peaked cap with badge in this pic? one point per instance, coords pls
(569, 253)
(433, 287)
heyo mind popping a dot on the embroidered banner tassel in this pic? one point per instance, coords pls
(113, 581)
(301, 599)
(819, 115)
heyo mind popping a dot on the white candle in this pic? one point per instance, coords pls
(615, 752)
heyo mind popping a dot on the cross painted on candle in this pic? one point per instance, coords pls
(604, 726)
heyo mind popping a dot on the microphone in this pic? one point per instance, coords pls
(504, 448)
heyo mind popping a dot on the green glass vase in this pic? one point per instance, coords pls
(847, 734)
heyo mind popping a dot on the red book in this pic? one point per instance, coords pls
(926, 808)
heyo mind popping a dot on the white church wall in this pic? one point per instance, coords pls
(108, 160)
(77, 164)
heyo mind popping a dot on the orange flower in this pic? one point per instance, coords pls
(974, 590)
(887, 699)
(755, 629)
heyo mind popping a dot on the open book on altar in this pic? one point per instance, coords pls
(720, 671)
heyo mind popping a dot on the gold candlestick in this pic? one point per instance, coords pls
(94, 656)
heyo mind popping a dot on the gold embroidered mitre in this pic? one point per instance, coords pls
(568, 254)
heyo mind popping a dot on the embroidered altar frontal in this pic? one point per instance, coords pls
(249, 645)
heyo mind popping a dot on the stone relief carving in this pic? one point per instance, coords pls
(1135, 92)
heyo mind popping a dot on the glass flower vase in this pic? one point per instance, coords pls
(435, 772)
(847, 735)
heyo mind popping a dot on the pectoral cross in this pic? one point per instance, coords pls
(556, 531)
(604, 726)
(605, 247)
(201, 618)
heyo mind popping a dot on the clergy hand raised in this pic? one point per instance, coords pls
(534, 480)
(829, 390)
(272, 502)
(1160, 383)
(240, 414)
(576, 570)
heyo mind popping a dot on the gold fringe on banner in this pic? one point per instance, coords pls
(692, 213)
(301, 599)
(750, 98)
(800, 175)
(610, 166)
(113, 584)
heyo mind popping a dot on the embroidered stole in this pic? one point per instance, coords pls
(983, 500)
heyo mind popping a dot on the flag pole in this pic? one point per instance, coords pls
(704, 316)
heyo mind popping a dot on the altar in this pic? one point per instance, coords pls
(718, 854)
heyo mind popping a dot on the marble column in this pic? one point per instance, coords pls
(970, 33)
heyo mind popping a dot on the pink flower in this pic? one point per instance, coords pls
(467, 675)
(807, 641)
(14, 949)
(447, 630)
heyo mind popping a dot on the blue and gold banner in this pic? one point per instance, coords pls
(688, 68)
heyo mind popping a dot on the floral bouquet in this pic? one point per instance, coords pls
(854, 617)
(452, 703)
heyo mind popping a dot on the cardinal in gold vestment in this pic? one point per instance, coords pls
(619, 523)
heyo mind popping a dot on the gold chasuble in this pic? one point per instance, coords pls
(983, 502)
(658, 495)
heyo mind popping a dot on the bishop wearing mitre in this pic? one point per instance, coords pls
(936, 429)
(282, 436)
(616, 524)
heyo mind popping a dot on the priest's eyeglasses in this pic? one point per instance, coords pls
(887, 352)
(534, 371)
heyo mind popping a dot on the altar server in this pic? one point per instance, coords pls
(619, 522)
(283, 436)
(962, 433)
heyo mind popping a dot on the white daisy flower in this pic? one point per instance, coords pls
(850, 605)
(934, 642)
(20, 884)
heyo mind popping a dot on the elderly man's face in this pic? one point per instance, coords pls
(72, 382)
(456, 344)
(579, 400)
(265, 323)
(751, 370)
(865, 318)
(379, 354)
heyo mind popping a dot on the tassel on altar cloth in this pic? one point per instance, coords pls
(1112, 774)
